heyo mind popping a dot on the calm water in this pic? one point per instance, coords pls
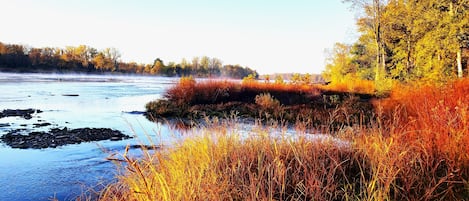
(67, 171)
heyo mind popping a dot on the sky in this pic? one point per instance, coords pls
(270, 36)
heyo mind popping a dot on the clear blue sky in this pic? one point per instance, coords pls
(267, 35)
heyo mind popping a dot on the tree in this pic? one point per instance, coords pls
(295, 79)
(204, 63)
(113, 55)
(339, 65)
(214, 67)
(279, 79)
(459, 15)
(157, 67)
(195, 64)
(371, 23)
(3, 48)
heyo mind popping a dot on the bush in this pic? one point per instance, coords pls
(183, 92)
(269, 105)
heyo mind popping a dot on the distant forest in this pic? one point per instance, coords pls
(85, 59)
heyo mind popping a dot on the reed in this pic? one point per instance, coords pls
(233, 167)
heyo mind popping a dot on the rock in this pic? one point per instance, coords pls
(70, 95)
(41, 124)
(142, 146)
(136, 112)
(25, 113)
(4, 125)
(58, 137)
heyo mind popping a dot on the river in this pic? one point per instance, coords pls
(97, 102)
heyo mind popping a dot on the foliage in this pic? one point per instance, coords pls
(405, 41)
(182, 93)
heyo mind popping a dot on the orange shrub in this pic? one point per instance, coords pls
(182, 92)
(190, 92)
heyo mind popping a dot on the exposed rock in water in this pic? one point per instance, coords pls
(142, 146)
(37, 125)
(136, 112)
(26, 113)
(59, 137)
(73, 95)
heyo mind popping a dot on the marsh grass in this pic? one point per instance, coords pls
(415, 148)
(229, 166)
(306, 104)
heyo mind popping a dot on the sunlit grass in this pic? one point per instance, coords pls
(229, 166)
(416, 148)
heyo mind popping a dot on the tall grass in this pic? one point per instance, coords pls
(228, 167)
(417, 148)
(428, 126)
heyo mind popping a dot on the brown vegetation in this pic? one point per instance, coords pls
(313, 105)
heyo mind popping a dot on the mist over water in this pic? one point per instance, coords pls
(96, 102)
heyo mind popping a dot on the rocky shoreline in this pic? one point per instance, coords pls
(58, 137)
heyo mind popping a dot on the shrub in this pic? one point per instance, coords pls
(267, 102)
(183, 92)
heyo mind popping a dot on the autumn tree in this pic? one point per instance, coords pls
(339, 65)
(157, 67)
(371, 23)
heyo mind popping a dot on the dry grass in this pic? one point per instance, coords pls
(429, 130)
(417, 148)
(228, 167)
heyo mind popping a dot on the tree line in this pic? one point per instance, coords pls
(404, 40)
(20, 58)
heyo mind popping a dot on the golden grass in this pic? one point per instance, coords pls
(417, 148)
(228, 167)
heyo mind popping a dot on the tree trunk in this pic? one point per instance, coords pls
(459, 61)
(383, 59)
(408, 55)
(378, 63)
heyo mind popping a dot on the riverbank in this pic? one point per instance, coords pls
(415, 149)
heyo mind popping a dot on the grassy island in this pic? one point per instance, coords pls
(307, 105)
